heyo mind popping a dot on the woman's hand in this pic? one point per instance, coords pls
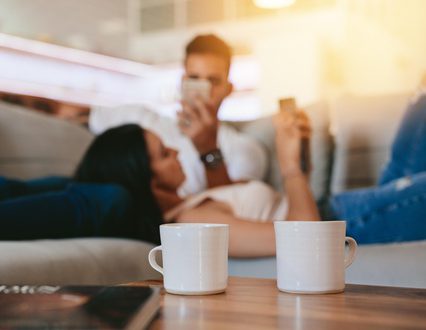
(289, 131)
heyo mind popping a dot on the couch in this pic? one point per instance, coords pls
(33, 144)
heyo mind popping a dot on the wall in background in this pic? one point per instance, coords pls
(320, 51)
(287, 48)
(384, 49)
(95, 25)
(353, 47)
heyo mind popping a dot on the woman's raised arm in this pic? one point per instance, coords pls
(246, 238)
(289, 129)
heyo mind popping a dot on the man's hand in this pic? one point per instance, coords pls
(199, 124)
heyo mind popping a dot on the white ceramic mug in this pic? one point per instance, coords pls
(195, 258)
(311, 256)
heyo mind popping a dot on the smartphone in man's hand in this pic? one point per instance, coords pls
(193, 88)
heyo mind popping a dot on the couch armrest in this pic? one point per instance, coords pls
(96, 261)
(34, 144)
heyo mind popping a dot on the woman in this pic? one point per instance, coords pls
(153, 174)
(136, 160)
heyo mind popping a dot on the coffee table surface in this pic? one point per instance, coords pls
(257, 304)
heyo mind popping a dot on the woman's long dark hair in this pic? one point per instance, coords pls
(120, 156)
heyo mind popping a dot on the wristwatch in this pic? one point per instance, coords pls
(212, 159)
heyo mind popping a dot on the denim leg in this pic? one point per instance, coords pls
(12, 188)
(408, 153)
(389, 213)
(108, 208)
(81, 210)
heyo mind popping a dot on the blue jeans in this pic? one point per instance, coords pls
(408, 153)
(56, 207)
(395, 210)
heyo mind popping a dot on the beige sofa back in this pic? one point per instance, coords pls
(263, 131)
(33, 144)
(350, 143)
(363, 130)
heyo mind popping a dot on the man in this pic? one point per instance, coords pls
(209, 58)
(211, 153)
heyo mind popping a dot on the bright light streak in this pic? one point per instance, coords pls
(41, 69)
(75, 55)
(273, 4)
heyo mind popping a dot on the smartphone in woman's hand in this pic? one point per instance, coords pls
(288, 105)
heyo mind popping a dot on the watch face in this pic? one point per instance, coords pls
(212, 159)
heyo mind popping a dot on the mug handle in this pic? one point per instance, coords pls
(349, 259)
(152, 261)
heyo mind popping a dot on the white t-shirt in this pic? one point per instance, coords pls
(244, 157)
(254, 201)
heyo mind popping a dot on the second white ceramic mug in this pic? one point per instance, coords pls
(311, 256)
(195, 258)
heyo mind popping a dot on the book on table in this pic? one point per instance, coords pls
(77, 307)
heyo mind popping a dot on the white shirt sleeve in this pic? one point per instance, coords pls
(245, 158)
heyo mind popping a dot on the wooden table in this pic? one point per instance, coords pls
(257, 304)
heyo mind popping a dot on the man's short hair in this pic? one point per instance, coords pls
(209, 44)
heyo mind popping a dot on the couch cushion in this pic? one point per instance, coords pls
(398, 264)
(363, 129)
(34, 144)
(102, 261)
